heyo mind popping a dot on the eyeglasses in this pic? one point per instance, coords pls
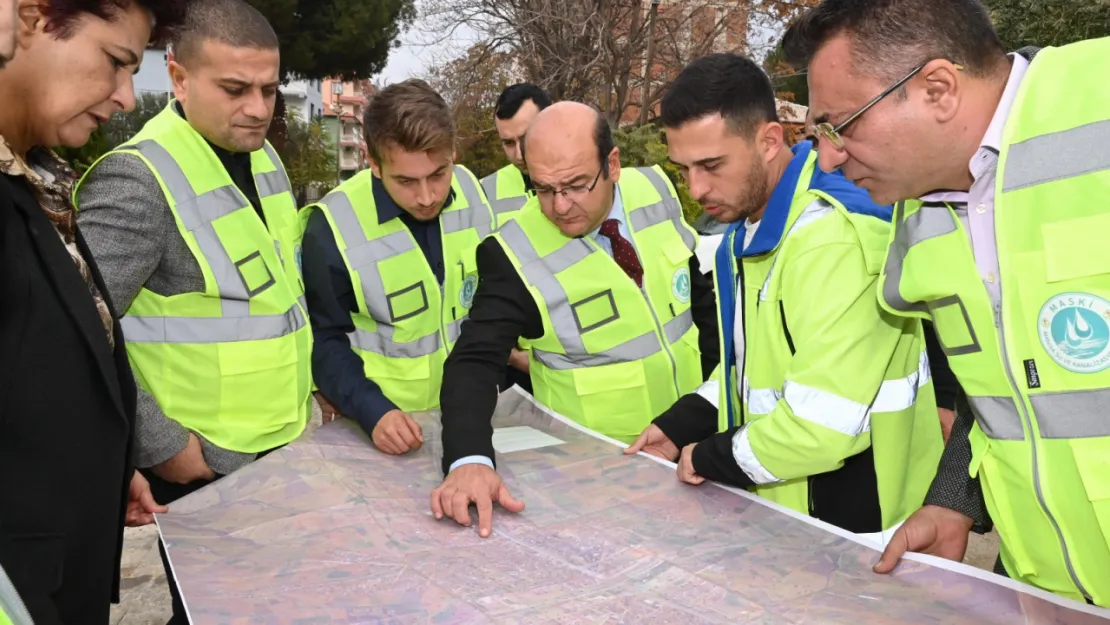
(830, 133)
(572, 193)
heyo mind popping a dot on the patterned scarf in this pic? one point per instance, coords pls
(52, 181)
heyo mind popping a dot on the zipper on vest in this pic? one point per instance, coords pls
(662, 332)
(741, 418)
(1033, 448)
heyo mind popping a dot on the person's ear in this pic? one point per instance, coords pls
(938, 84)
(31, 21)
(770, 141)
(615, 165)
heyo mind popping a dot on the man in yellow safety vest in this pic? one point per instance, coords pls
(999, 168)
(389, 266)
(599, 283)
(195, 228)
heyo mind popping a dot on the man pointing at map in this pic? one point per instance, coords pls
(601, 287)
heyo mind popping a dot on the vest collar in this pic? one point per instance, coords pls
(389, 209)
(773, 223)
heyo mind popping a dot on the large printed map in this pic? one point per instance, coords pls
(329, 530)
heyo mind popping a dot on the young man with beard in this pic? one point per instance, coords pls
(823, 402)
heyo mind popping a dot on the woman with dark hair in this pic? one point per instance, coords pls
(67, 398)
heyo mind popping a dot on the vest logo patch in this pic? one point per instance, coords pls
(680, 284)
(466, 291)
(297, 258)
(1075, 331)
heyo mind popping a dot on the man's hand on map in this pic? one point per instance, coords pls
(933, 530)
(653, 441)
(141, 506)
(686, 466)
(328, 411)
(396, 433)
(473, 483)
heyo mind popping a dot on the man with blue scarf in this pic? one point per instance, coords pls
(823, 402)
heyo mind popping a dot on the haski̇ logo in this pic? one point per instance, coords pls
(1075, 331)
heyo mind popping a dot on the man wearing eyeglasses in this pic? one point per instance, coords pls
(603, 288)
(999, 166)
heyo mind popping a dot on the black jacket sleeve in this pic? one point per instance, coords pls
(945, 385)
(336, 368)
(703, 306)
(502, 312)
(953, 488)
(713, 460)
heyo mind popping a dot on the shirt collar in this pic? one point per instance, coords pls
(389, 209)
(616, 212)
(991, 143)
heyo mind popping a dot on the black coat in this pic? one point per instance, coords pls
(67, 412)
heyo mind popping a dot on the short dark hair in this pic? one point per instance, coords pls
(514, 97)
(410, 114)
(603, 138)
(231, 22)
(891, 37)
(727, 84)
(62, 15)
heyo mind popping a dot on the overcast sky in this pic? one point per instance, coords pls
(420, 50)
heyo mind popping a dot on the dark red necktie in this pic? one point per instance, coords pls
(623, 252)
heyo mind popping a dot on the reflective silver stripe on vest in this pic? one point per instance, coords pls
(676, 328)
(638, 348)
(541, 272)
(454, 329)
(474, 215)
(1057, 156)
(11, 605)
(211, 329)
(997, 417)
(501, 204)
(197, 214)
(378, 343)
(927, 223)
(667, 208)
(364, 256)
(272, 182)
(1073, 414)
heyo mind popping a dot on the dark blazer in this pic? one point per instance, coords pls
(504, 310)
(67, 408)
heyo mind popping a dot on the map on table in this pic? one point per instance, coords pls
(329, 530)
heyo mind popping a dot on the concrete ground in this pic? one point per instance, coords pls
(145, 597)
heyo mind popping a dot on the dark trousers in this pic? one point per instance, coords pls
(515, 376)
(166, 493)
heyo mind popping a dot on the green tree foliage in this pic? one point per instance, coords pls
(319, 39)
(347, 38)
(471, 85)
(308, 156)
(643, 146)
(1049, 22)
(790, 85)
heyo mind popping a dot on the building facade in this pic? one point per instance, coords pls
(304, 97)
(344, 103)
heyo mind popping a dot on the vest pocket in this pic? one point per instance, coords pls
(1076, 248)
(1092, 459)
(614, 399)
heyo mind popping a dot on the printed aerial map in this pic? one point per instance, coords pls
(330, 530)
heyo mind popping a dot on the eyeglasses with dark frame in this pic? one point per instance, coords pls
(830, 133)
(572, 193)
